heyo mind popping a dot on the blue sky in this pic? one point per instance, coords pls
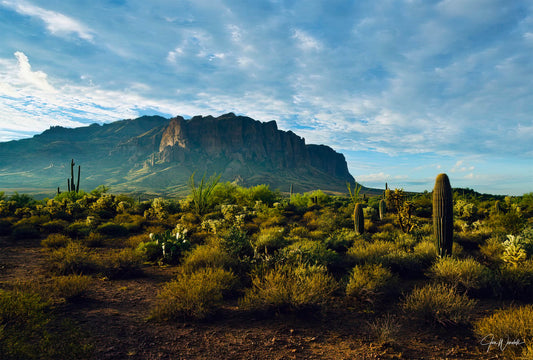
(405, 89)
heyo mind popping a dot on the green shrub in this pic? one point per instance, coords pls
(463, 274)
(150, 250)
(78, 229)
(208, 255)
(341, 240)
(290, 288)
(112, 230)
(71, 287)
(371, 253)
(270, 239)
(511, 324)
(55, 241)
(125, 263)
(515, 282)
(195, 295)
(309, 252)
(368, 281)
(492, 252)
(25, 231)
(29, 331)
(439, 303)
(94, 240)
(72, 259)
(55, 226)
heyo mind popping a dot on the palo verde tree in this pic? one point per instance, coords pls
(404, 209)
(202, 194)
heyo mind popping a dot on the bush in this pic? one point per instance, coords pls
(72, 259)
(71, 287)
(511, 324)
(492, 252)
(125, 263)
(25, 231)
(368, 281)
(196, 295)
(385, 329)
(112, 230)
(290, 288)
(28, 331)
(206, 256)
(55, 226)
(309, 252)
(270, 239)
(515, 282)
(150, 250)
(78, 229)
(463, 274)
(55, 241)
(341, 240)
(439, 303)
(94, 240)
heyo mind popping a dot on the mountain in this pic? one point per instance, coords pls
(155, 155)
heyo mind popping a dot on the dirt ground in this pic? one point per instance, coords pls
(114, 315)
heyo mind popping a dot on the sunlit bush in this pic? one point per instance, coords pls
(55, 241)
(509, 324)
(195, 295)
(368, 282)
(72, 259)
(70, 287)
(439, 303)
(290, 288)
(270, 239)
(463, 274)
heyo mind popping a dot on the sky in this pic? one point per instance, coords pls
(405, 89)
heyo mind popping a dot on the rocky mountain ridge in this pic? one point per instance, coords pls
(154, 154)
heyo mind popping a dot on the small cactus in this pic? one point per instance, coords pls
(382, 209)
(443, 215)
(358, 219)
(497, 207)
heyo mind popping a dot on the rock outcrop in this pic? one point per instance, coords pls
(242, 139)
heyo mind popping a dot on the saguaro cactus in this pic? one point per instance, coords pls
(71, 186)
(382, 209)
(359, 220)
(443, 215)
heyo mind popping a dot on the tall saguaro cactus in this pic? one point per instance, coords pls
(71, 186)
(382, 209)
(358, 218)
(443, 215)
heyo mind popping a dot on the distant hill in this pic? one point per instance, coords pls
(155, 155)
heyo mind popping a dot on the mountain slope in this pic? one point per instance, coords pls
(152, 154)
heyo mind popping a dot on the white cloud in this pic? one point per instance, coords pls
(37, 78)
(57, 23)
(305, 41)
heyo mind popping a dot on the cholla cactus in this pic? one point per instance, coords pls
(514, 253)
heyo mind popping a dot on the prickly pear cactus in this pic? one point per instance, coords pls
(443, 215)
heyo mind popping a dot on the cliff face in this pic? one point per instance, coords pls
(242, 139)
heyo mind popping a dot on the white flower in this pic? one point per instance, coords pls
(151, 236)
